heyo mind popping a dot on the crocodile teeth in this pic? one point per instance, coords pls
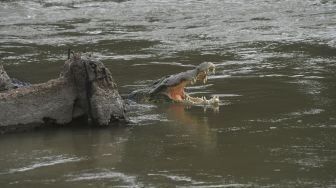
(205, 79)
(192, 82)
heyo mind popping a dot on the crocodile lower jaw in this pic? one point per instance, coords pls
(201, 100)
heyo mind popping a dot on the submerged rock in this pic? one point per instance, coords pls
(85, 88)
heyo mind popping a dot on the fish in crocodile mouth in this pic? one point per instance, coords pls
(174, 85)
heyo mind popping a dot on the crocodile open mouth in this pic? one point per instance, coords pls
(176, 91)
(173, 87)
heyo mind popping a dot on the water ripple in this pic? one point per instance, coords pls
(46, 161)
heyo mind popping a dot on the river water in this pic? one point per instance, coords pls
(276, 65)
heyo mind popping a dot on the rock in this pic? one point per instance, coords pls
(85, 88)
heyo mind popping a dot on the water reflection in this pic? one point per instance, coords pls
(196, 125)
(78, 149)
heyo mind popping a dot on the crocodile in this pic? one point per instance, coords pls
(172, 87)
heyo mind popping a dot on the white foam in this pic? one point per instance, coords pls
(272, 75)
(94, 32)
(313, 77)
(172, 63)
(148, 117)
(53, 161)
(218, 77)
(297, 76)
(226, 95)
(105, 174)
(308, 112)
(199, 86)
(177, 178)
(130, 57)
(224, 185)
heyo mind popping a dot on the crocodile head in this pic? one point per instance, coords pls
(173, 86)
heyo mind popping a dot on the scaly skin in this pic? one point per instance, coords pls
(171, 88)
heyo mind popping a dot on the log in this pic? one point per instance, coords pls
(85, 88)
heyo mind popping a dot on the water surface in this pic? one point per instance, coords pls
(276, 65)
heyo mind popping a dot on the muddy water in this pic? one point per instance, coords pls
(276, 65)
